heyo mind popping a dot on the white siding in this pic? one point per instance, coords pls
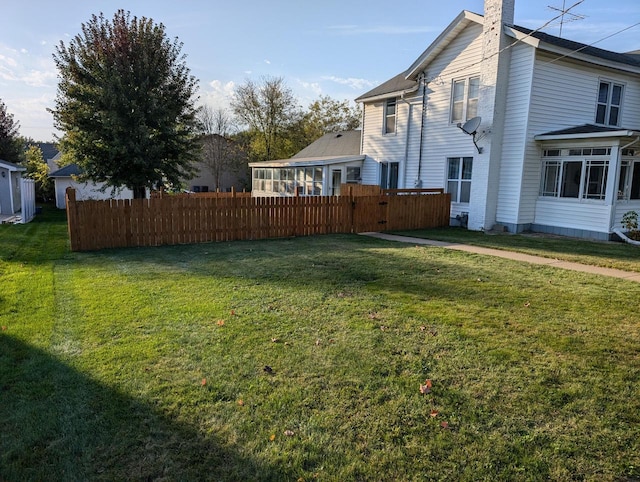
(571, 214)
(441, 138)
(86, 191)
(390, 147)
(564, 95)
(512, 177)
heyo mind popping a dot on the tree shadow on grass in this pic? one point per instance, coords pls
(57, 424)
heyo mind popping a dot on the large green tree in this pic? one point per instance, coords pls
(10, 143)
(268, 109)
(125, 103)
(38, 170)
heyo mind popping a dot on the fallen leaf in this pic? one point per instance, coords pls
(527, 304)
(241, 402)
(434, 413)
(428, 383)
(318, 342)
(220, 322)
(289, 433)
(422, 328)
(444, 425)
(424, 389)
(4, 328)
(273, 437)
(233, 312)
(203, 382)
(373, 316)
(383, 328)
(275, 340)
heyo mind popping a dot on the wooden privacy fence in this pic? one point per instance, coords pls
(196, 219)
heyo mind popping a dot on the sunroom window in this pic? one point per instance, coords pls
(577, 179)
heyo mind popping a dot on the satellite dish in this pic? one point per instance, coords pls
(471, 128)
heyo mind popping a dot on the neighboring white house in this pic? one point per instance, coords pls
(558, 144)
(10, 188)
(68, 177)
(317, 170)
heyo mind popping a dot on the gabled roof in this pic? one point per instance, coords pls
(462, 21)
(48, 149)
(67, 171)
(587, 131)
(333, 148)
(345, 143)
(11, 166)
(407, 81)
(394, 87)
(608, 58)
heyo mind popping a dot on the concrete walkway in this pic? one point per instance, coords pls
(527, 258)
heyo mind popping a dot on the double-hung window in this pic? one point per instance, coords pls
(389, 116)
(464, 99)
(459, 178)
(609, 103)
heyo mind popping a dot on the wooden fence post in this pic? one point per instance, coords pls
(72, 218)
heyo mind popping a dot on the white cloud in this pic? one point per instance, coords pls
(356, 84)
(218, 94)
(313, 87)
(267, 61)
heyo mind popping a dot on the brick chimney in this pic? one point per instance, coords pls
(494, 74)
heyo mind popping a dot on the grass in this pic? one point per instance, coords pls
(148, 364)
(598, 253)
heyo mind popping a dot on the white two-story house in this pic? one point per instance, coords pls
(556, 141)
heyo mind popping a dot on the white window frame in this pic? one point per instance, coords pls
(593, 163)
(459, 178)
(626, 186)
(467, 102)
(607, 104)
(390, 118)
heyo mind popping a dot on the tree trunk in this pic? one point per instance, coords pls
(139, 192)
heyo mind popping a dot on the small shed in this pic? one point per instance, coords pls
(10, 188)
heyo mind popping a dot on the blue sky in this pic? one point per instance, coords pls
(327, 47)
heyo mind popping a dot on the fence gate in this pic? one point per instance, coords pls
(370, 213)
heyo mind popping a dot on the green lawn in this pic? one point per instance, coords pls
(606, 254)
(149, 364)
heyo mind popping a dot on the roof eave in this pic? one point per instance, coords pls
(388, 95)
(459, 23)
(308, 161)
(547, 47)
(587, 135)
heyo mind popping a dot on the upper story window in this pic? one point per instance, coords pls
(464, 99)
(609, 103)
(389, 116)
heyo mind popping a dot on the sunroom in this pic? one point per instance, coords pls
(305, 176)
(590, 177)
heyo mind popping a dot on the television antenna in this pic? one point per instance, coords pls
(471, 128)
(572, 17)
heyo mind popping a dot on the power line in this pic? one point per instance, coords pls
(594, 43)
(546, 24)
